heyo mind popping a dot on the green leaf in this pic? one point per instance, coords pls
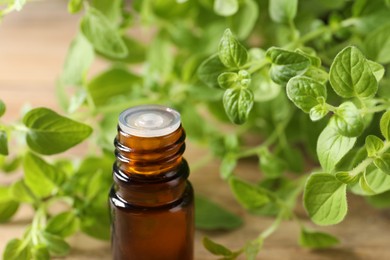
(380, 201)
(16, 250)
(160, 57)
(264, 89)
(21, 193)
(225, 7)
(111, 9)
(373, 145)
(110, 84)
(383, 163)
(74, 6)
(39, 176)
(55, 244)
(309, 53)
(283, 11)
(249, 196)
(377, 69)
(211, 216)
(325, 199)
(320, 75)
(8, 206)
(318, 112)
(40, 252)
(286, 64)
(270, 165)
(332, 146)
(377, 44)
(385, 125)
(351, 75)
(304, 92)
(216, 249)
(348, 120)
(238, 102)
(79, 58)
(227, 166)
(347, 178)
(64, 224)
(245, 19)
(2, 108)
(209, 70)
(49, 133)
(231, 52)
(376, 180)
(364, 184)
(8, 210)
(227, 80)
(102, 34)
(252, 249)
(3, 143)
(316, 239)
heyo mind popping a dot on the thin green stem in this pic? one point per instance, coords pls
(258, 66)
(201, 162)
(271, 229)
(366, 162)
(375, 109)
(330, 107)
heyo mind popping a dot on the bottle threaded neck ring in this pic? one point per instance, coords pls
(149, 121)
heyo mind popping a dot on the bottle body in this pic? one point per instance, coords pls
(152, 202)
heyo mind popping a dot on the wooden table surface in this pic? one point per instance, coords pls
(33, 44)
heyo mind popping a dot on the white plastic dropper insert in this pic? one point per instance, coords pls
(149, 120)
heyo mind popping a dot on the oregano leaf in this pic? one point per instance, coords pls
(348, 120)
(332, 146)
(377, 69)
(49, 133)
(2, 108)
(318, 112)
(304, 92)
(216, 249)
(347, 178)
(16, 250)
(210, 69)
(225, 7)
(383, 163)
(231, 52)
(249, 196)
(316, 239)
(283, 11)
(377, 44)
(364, 184)
(96, 27)
(286, 64)
(211, 216)
(373, 145)
(385, 125)
(238, 102)
(351, 75)
(3, 142)
(79, 58)
(228, 80)
(74, 6)
(39, 176)
(325, 199)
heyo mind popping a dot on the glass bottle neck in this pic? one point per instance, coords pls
(149, 155)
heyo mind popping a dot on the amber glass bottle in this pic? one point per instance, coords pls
(151, 200)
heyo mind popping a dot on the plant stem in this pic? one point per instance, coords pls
(366, 162)
(271, 229)
(201, 162)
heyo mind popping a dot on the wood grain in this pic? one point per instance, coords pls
(33, 44)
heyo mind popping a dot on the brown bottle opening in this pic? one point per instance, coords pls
(151, 199)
